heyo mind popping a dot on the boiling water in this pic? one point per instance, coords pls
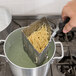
(16, 53)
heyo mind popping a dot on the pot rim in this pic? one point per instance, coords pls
(49, 62)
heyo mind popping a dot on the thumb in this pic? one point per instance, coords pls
(67, 27)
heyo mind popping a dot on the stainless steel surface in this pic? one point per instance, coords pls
(24, 21)
(42, 71)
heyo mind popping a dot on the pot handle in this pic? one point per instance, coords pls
(1, 42)
(61, 49)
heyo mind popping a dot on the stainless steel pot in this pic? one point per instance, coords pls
(13, 40)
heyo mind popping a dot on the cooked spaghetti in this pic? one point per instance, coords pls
(39, 39)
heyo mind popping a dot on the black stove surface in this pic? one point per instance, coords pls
(63, 67)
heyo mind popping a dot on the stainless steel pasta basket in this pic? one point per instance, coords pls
(35, 56)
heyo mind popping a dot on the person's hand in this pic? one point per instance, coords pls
(69, 10)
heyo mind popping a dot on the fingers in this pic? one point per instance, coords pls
(64, 13)
(67, 27)
(67, 11)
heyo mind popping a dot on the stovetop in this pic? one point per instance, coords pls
(63, 67)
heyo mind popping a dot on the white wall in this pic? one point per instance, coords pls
(34, 7)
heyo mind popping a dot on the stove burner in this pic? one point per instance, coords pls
(65, 37)
(61, 36)
(70, 35)
(67, 66)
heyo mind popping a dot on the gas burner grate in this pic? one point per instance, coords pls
(65, 37)
(67, 65)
